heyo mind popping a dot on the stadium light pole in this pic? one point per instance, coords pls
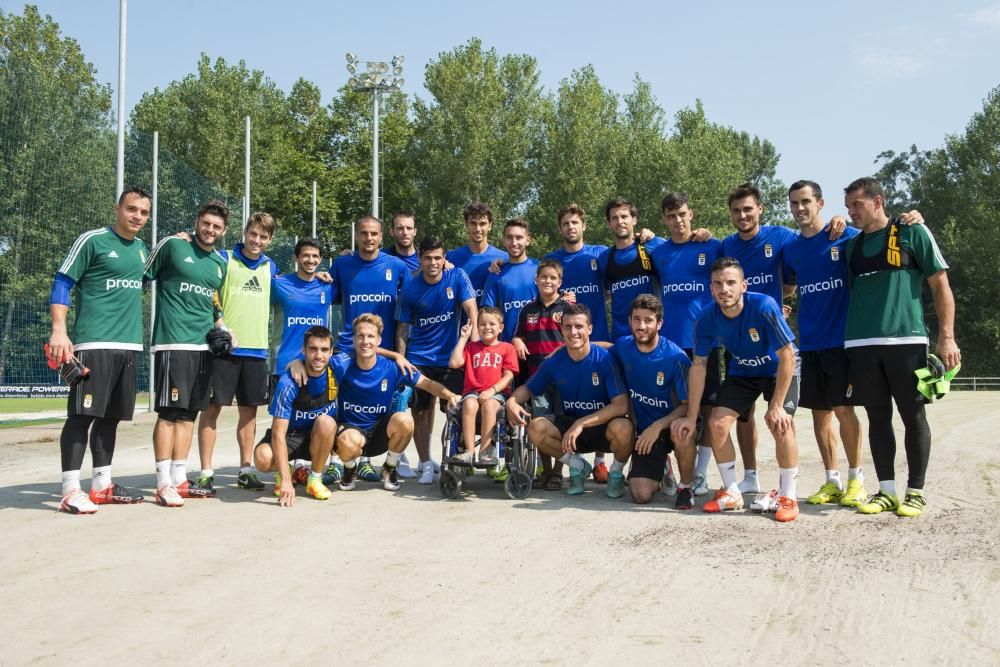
(120, 157)
(374, 77)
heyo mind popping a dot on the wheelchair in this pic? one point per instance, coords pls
(513, 450)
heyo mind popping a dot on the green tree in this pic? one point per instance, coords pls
(644, 167)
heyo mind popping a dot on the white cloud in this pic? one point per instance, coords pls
(988, 17)
(888, 63)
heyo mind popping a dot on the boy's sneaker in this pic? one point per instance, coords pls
(347, 479)
(685, 499)
(316, 489)
(600, 472)
(368, 473)
(724, 500)
(765, 502)
(167, 496)
(616, 484)
(404, 469)
(488, 456)
(116, 494)
(913, 505)
(577, 479)
(77, 502)
(788, 509)
(855, 493)
(333, 473)
(830, 492)
(750, 484)
(463, 457)
(700, 485)
(249, 481)
(879, 502)
(390, 477)
(426, 473)
(188, 490)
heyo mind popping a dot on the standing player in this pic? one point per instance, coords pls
(753, 330)
(187, 274)
(243, 373)
(302, 424)
(591, 407)
(475, 257)
(888, 263)
(684, 266)
(106, 267)
(403, 231)
(430, 309)
(514, 286)
(581, 264)
(655, 370)
(368, 425)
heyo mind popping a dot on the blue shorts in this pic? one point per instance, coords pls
(500, 398)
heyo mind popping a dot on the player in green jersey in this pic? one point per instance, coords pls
(187, 274)
(105, 266)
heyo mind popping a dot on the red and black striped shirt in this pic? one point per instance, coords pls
(539, 326)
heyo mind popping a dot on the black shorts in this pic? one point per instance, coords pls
(880, 374)
(591, 440)
(376, 438)
(297, 443)
(740, 394)
(651, 465)
(109, 390)
(824, 379)
(183, 379)
(713, 376)
(245, 378)
(451, 378)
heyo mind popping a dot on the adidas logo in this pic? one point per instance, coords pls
(252, 285)
(790, 405)
(188, 260)
(113, 254)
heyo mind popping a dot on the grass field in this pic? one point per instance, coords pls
(26, 406)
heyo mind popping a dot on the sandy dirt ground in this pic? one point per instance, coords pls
(373, 577)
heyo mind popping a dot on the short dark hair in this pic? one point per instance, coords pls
(477, 208)
(137, 191)
(553, 264)
(490, 310)
(870, 186)
(402, 214)
(317, 332)
(214, 207)
(307, 242)
(727, 263)
(577, 309)
(647, 302)
(517, 222)
(673, 201)
(619, 202)
(429, 243)
(798, 185)
(744, 190)
(368, 218)
(574, 208)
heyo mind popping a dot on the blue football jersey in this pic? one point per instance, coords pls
(685, 271)
(657, 380)
(475, 265)
(301, 419)
(434, 315)
(368, 286)
(627, 277)
(366, 396)
(582, 275)
(760, 258)
(582, 387)
(298, 306)
(752, 337)
(510, 290)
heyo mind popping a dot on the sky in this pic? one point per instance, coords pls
(830, 84)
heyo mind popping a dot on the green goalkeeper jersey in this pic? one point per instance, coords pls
(107, 270)
(187, 278)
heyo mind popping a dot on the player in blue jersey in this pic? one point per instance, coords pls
(303, 422)
(514, 287)
(430, 312)
(753, 330)
(403, 231)
(591, 405)
(684, 265)
(655, 371)
(627, 267)
(368, 425)
(582, 274)
(475, 257)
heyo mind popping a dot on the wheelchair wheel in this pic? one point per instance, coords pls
(450, 484)
(518, 485)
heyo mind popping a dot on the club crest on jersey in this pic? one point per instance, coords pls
(557, 317)
(835, 253)
(450, 292)
(175, 394)
(533, 319)
(754, 336)
(768, 250)
(385, 384)
(322, 297)
(595, 379)
(593, 264)
(701, 259)
(88, 400)
(659, 378)
(388, 274)
(850, 391)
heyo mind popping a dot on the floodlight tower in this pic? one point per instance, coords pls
(375, 77)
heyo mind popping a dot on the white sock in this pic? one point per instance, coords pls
(574, 461)
(163, 473)
(749, 473)
(71, 481)
(178, 472)
(245, 470)
(834, 476)
(598, 459)
(299, 463)
(392, 458)
(363, 460)
(427, 464)
(617, 465)
(701, 463)
(728, 472)
(351, 464)
(855, 473)
(318, 476)
(101, 478)
(207, 472)
(887, 487)
(786, 482)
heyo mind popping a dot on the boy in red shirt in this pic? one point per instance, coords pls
(490, 365)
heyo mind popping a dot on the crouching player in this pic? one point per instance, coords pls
(367, 383)
(655, 371)
(302, 425)
(490, 365)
